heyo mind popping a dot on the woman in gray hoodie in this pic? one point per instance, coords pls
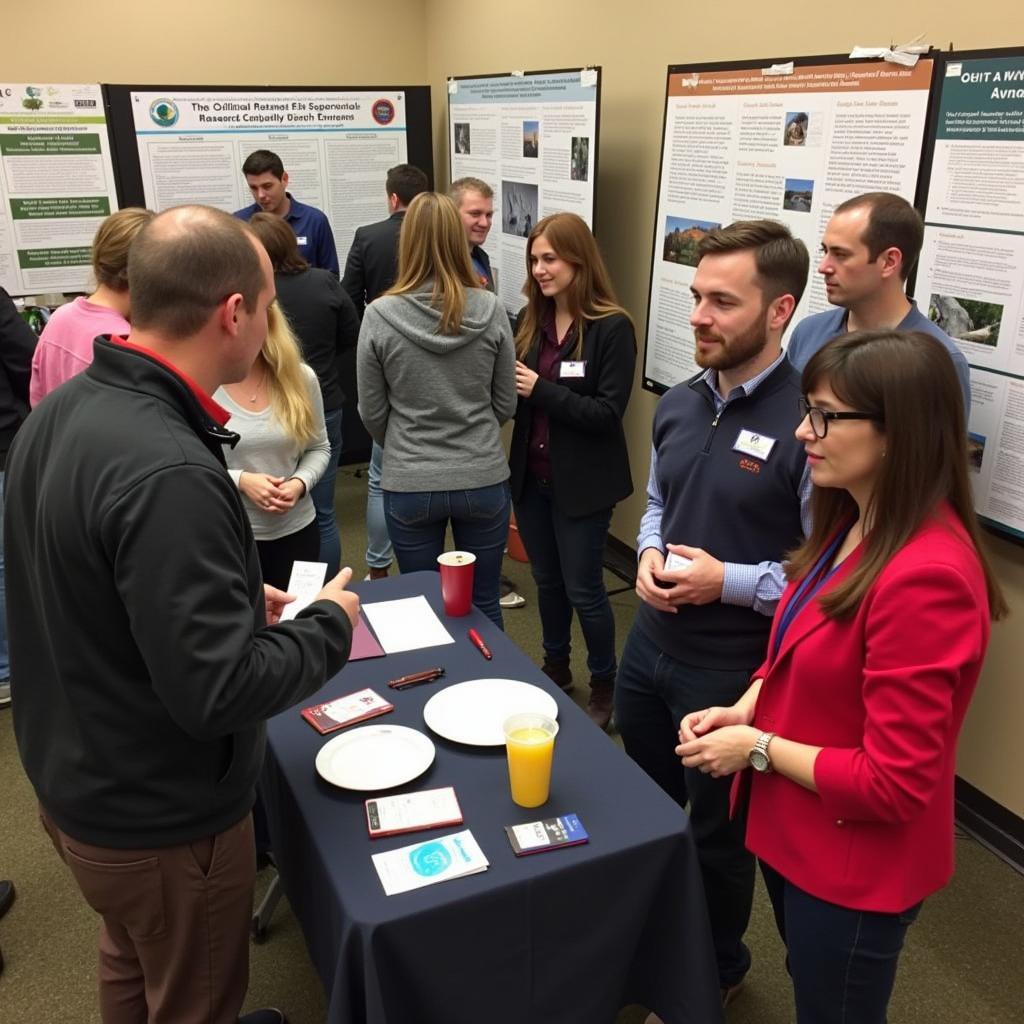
(436, 377)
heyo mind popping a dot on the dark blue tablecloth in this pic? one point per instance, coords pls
(554, 938)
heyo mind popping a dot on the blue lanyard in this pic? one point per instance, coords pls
(807, 589)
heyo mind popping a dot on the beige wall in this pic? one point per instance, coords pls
(634, 43)
(332, 42)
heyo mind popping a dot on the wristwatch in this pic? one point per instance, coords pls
(758, 756)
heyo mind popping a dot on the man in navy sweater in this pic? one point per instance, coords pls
(726, 493)
(869, 248)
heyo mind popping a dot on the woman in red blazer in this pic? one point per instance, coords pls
(850, 725)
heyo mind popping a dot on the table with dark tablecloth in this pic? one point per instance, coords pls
(558, 937)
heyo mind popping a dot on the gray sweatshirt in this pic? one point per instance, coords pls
(436, 402)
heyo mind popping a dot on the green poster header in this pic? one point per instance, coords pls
(983, 100)
(41, 259)
(50, 145)
(60, 206)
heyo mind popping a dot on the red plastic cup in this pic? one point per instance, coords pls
(456, 581)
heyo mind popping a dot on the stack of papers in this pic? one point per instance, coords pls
(407, 624)
(437, 860)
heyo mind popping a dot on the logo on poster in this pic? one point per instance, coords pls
(164, 112)
(383, 111)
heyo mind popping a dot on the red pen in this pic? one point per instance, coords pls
(478, 643)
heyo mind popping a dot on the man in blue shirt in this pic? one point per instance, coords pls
(268, 182)
(869, 248)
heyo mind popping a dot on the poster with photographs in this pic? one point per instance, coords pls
(533, 139)
(971, 272)
(742, 144)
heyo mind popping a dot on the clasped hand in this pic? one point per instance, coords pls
(699, 583)
(275, 494)
(716, 741)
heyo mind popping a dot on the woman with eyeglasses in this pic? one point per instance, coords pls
(850, 725)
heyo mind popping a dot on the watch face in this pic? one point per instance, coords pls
(759, 761)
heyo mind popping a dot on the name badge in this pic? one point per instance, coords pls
(572, 369)
(302, 240)
(754, 444)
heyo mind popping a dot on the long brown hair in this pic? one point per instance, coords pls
(590, 293)
(907, 380)
(278, 238)
(433, 247)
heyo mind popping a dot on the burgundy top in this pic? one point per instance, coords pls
(549, 359)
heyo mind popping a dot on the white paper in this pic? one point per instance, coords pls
(437, 860)
(416, 810)
(407, 624)
(307, 580)
(588, 77)
(778, 69)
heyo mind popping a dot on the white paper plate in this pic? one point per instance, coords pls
(473, 712)
(375, 757)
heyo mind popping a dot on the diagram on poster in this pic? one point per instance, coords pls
(56, 185)
(742, 145)
(972, 263)
(533, 139)
(336, 147)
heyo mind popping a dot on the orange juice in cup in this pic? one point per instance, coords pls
(530, 743)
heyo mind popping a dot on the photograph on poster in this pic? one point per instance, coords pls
(975, 451)
(462, 138)
(531, 138)
(799, 195)
(579, 167)
(682, 236)
(796, 128)
(519, 204)
(966, 319)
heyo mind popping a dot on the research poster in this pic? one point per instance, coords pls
(56, 185)
(336, 148)
(972, 265)
(533, 139)
(790, 146)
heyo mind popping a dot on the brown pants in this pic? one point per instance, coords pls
(174, 943)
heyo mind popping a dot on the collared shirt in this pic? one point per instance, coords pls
(757, 586)
(312, 230)
(549, 359)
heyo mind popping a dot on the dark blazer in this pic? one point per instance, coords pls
(372, 263)
(589, 460)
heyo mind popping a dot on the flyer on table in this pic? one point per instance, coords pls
(741, 145)
(336, 147)
(971, 276)
(56, 185)
(532, 138)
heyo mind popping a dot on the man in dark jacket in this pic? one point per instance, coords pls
(145, 650)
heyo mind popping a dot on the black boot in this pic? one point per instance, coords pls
(599, 705)
(559, 672)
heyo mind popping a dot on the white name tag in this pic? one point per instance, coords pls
(302, 240)
(754, 444)
(572, 369)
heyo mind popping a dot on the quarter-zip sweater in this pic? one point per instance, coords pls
(736, 506)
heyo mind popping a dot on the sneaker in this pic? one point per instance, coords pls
(559, 673)
(268, 1016)
(512, 600)
(5, 693)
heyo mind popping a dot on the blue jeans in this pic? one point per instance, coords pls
(417, 521)
(842, 961)
(378, 544)
(5, 667)
(323, 499)
(567, 562)
(653, 692)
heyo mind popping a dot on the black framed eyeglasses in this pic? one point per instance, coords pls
(820, 417)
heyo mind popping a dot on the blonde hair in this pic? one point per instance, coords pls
(433, 247)
(590, 293)
(111, 243)
(286, 383)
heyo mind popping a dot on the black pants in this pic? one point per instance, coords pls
(277, 556)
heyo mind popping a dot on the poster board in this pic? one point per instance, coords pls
(178, 144)
(971, 273)
(767, 139)
(56, 185)
(533, 137)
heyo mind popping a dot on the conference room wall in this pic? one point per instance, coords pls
(229, 42)
(634, 43)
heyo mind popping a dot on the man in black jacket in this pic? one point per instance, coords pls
(146, 653)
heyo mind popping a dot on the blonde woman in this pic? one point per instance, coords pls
(436, 375)
(279, 415)
(65, 346)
